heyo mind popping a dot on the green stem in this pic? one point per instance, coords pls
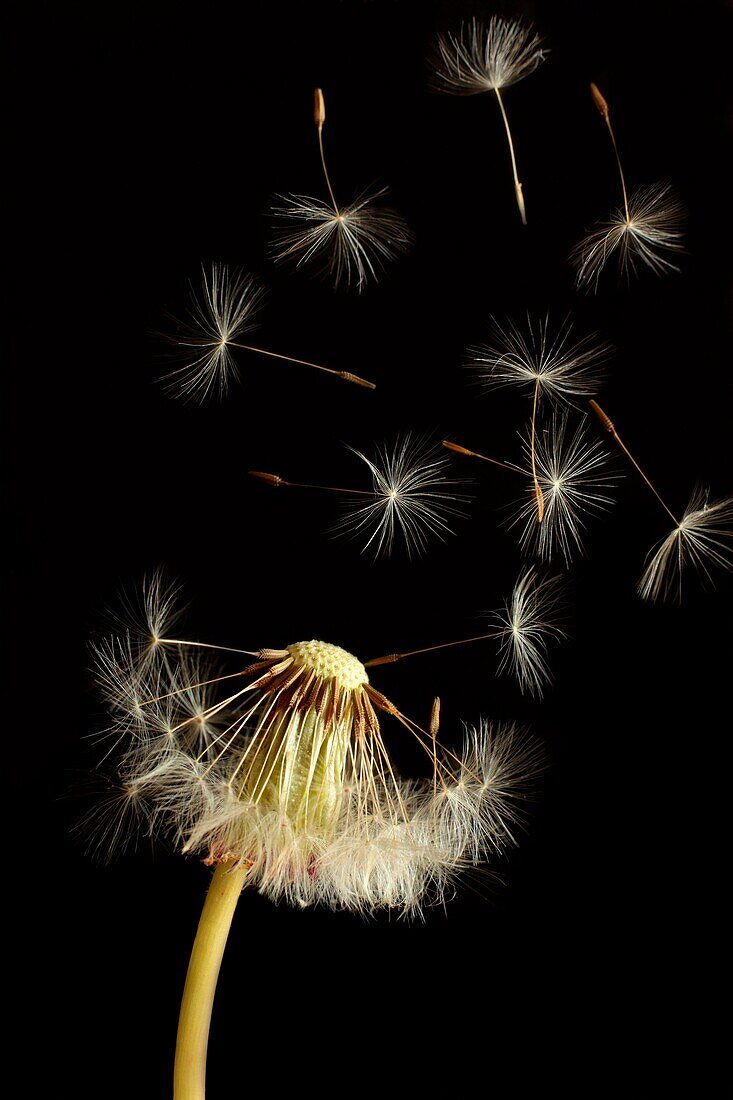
(189, 1074)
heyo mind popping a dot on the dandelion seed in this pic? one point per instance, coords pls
(702, 538)
(640, 233)
(411, 497)
(350, 242)
(221, 315)
(293, 793)
(524, 628)
(487, 59)
(570, 470)
(552, 364)
(530, 622)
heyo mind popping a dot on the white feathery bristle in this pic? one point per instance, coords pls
(221, 312)
(574, 485)
(647, 237)
(351, 244)
(703, 540)
(412, 497)
(529, 621)
(534, 356)
(485, 58)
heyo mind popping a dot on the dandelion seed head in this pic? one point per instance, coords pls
(486, 58)
(294, 781)
(222, 310)
(645, 236)
(413, 498)
(703, 540)
(535, 356)
(575, 485)
(329, 662)
(351, 245)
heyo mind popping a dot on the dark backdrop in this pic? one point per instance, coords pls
(147, 139)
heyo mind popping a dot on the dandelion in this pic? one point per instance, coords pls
(524, 627)
(221, 314)
(553, 365)
(411, 497)
(291, 791)
(487, 59)
(641, 232)
(702, 538)
(570, 471)
(352, 242)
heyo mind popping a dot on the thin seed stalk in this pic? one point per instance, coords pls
(189, 1074)
(345, 374)
(517, 184)
(537, 488)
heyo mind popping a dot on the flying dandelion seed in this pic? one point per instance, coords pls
(351, 243)
(221, 314)
(702, 538)
(553, 365)
(487, 59)
(290, 790)
(574, 485)
(571, 481)
(530, 621)
(411, 498)
(525, 626)
(641, 233)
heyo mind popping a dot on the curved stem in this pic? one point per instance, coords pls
(189, 1074)
(517, 184)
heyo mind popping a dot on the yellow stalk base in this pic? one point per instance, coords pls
(189, 1074)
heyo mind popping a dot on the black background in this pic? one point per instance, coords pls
(147, 139)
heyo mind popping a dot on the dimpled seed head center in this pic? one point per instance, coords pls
(330, 662)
